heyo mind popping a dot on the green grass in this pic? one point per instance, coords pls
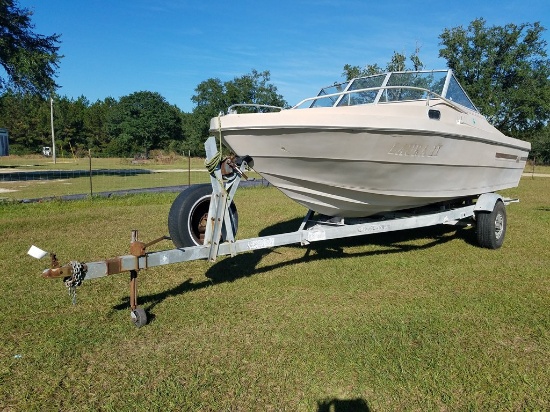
(416, 320)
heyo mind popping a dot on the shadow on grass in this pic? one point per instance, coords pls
(343, 405)
(245, 264)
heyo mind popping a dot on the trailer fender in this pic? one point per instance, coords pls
(487, 201)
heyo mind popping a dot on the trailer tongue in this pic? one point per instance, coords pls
(218, 228)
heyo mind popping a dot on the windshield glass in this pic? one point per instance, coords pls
(456, 94)
(328, 101)
(362, 97)
(432, 81)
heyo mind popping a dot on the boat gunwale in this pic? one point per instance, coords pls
(362, 129)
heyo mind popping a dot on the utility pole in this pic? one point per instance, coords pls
(53, 133)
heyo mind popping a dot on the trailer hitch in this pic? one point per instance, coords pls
(74, 273)
(56, 270)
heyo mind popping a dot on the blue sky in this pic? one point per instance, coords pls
(114, 48)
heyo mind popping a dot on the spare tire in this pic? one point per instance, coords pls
(188, 216)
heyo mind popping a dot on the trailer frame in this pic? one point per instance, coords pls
(456, 212)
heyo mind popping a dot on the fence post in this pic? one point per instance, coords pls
(189, 169)
(90, 162)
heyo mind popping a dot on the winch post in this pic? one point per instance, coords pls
(218, 212)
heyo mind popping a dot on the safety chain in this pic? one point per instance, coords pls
(71, 282)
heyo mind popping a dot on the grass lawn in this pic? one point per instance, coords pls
(417, 320)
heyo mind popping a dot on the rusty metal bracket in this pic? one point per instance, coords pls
(58, 272)
(228, 167)
(114, 266)
(138, 249)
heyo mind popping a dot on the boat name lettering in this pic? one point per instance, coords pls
(373, 228)
(261, 243)
(415, 150)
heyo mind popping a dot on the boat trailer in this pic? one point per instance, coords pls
(487, 212)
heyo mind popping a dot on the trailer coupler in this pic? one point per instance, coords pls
(74, 273)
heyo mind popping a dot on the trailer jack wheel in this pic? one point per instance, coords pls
(139, 317)
(137, 314)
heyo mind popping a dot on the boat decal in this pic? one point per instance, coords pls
(415, 150)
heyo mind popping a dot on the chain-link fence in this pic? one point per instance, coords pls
(34, 177)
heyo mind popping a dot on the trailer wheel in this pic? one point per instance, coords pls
(491, 226)
(188, 214)
(139, 317)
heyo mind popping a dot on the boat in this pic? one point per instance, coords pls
(376, 144)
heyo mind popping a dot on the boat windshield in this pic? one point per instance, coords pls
(415, 85)
(329, 95)
(456, 93)
(362, 96)
(392, 87)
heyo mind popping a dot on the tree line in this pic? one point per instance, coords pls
(504, 69)
(132, 125)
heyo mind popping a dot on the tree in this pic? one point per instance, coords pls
(212, 97)
(27, 117)
(30, 60)
(140, 122)
(95, 124)
(396, 64)
(540, 150)
(505, 70)
(69, 115)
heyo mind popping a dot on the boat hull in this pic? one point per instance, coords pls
(357, 171)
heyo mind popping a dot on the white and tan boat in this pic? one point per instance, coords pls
(381, 143)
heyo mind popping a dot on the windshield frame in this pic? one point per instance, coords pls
(396, 87)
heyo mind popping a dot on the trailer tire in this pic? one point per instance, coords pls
(187, 212)
(491, 226)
